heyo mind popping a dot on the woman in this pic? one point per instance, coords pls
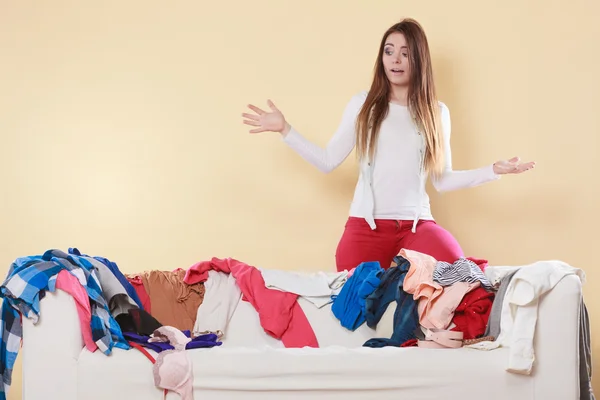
(402, 135)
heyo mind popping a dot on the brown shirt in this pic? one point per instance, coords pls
(174, 303)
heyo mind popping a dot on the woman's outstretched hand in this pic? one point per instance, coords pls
(273, 121)
(512, 166)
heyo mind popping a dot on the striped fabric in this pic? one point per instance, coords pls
(462, 270)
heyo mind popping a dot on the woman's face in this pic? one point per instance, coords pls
(395, 59)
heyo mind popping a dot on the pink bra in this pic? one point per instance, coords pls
(173, 368)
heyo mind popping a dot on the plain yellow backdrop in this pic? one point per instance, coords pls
(121, 131)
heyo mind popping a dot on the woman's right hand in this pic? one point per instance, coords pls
(273, 121)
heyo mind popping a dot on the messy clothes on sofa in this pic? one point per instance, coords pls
(166, 314)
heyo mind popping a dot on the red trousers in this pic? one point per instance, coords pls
(359, 243)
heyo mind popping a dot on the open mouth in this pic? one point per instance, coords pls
(397, 70)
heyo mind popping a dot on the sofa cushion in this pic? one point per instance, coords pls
(332, 372)
(253, 362)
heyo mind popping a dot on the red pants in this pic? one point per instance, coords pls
(360, 243)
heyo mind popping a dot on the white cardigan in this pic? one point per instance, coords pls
(392, 186)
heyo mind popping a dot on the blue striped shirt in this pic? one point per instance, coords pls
(25, 285)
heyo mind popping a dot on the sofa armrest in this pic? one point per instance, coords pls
(51, 349)
(556, 342)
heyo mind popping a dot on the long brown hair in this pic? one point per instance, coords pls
(422, 100)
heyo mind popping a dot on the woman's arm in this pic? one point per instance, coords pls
(340, 145)
(454, 180)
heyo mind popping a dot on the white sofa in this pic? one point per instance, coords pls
(252, 365)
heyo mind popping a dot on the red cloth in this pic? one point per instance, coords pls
(410, 343)
(199, 271)
(280, 314)
(481, 263)
(138, 284)
(472, 314)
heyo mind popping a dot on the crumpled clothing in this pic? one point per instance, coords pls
(174, 302)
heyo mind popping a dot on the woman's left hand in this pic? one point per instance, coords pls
(512, 166)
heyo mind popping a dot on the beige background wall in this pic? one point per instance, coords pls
(121, 132)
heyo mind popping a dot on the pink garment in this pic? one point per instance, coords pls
(280, 314)
(173, 368)
(351, 272)
(199, 271)
(436, 304)
(68, 283)
(442, 310)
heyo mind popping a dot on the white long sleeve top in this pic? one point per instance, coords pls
(520, 307)
(392, 185)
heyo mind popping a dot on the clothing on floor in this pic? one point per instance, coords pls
(316, 287)
(461, 270)
(349, 305)
(472, 314)
(137, 283)
(27, 280)
(114, 268)
(70, 284)
(174, 303)
(493, 325)
(279, 313)
(221, 298)
(436, 304)
(360, 244)
(406, 316)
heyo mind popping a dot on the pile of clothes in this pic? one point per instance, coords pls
(432, 300)
(111, 312)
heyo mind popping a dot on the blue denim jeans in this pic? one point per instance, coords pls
(406, 316)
